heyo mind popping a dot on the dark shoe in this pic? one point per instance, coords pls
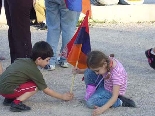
(7, 102)
(151, 58)
(33, 23)
(42, 26)
(19, 107)
(127, 102)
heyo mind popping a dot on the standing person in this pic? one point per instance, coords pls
(150, 54)
(110, 78)
(0, 6)
(22, 79)
(19, 35)
(59, 20)
(1, 57)
(39, 6)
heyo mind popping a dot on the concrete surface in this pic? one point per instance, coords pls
(127, 41)
(124, 13)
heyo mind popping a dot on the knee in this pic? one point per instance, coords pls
(89, 104)
(36, 90)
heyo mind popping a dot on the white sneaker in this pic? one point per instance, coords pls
(64, 64)
(52, 67)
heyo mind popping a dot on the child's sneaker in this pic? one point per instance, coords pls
(151, 58)
(7, 102)
(64, 64)
(19, 107)
(126, 102)
(49, 67)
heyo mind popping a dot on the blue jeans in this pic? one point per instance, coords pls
(101, 96)
(59, 20)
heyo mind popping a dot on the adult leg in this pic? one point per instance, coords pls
(18, 16)
(40, 12)
(10, 38)
(53, 25)
(0, 5)
(68, 25)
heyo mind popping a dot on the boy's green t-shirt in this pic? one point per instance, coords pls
(21, 71)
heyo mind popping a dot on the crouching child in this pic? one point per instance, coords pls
(23, 79)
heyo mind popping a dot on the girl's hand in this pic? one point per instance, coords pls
(97, 111)
(75, 70)
(67, 96)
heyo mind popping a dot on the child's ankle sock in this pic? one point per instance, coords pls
(16, 101)
(121, 102)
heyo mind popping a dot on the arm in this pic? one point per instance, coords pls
(52, 93)
(100, 110)
(1, 69)
(78, 71)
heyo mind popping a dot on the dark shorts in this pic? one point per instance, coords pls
(23, 88)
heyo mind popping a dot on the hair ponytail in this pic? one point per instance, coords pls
(109, 66)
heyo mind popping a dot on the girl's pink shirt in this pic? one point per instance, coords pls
(118, 77)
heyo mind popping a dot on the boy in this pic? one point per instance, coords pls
(23, 79)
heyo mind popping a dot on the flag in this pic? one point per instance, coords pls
(79, 5)
(79, 46)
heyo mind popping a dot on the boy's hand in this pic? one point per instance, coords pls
(67, 96)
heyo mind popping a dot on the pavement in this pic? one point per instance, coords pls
(127, 41)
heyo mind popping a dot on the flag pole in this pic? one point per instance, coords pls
(73, 78)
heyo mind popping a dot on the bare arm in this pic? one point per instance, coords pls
(78, 71)
(100, 110)
(52, 93)
(1, 69)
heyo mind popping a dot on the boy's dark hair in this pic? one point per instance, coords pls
(41, 49)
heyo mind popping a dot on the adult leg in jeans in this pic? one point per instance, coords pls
(59, 19)
(18, 20)
(0, 5)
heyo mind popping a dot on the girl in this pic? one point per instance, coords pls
(108, 93)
